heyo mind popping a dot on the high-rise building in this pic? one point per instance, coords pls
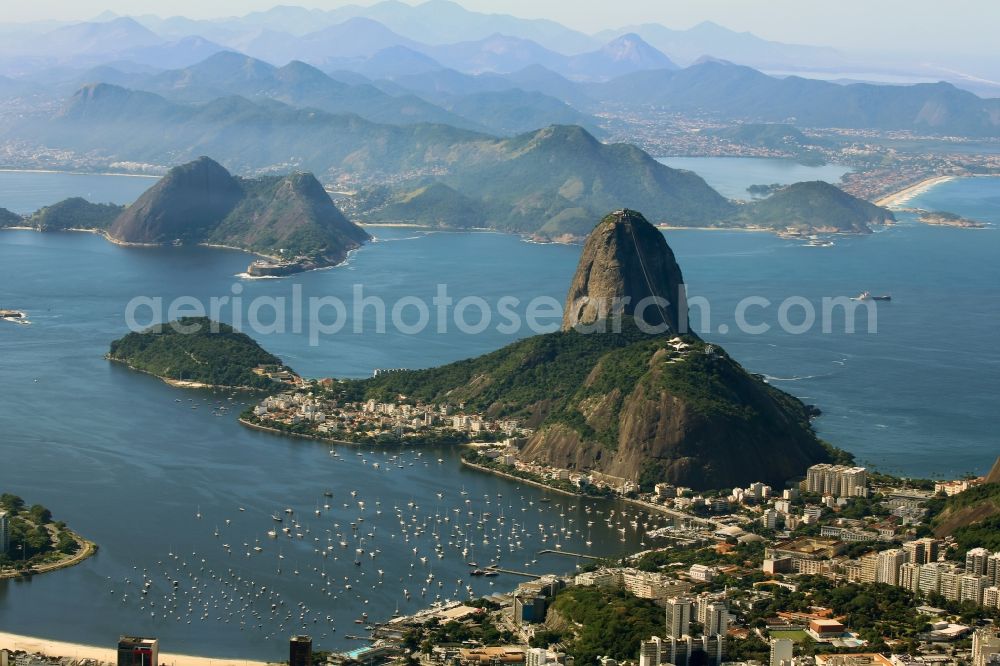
(4, 532)
(782, 651)
(649, 652)
(837, 480)
(985, 644)
(909, 576)
(951, 583)
(973, 588)
(869, 568)
(540, 657)
(678, 616)
(977, 560)
(930, 579)
(529, 608)
(136, 651)
(678, 651)
(889, 563)
(716, 618)
(922, 551)
(993, 569)
(991, 597)
(300, 651)
(713, 645)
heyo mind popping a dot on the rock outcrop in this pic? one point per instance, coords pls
(186, 205)
(994, 475)
(288, 216)
(641, 407)
(626, 270)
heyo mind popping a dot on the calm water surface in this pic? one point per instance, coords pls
(731, 176)
(130, 461)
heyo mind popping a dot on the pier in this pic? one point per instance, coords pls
(569, 554)
(512, 572)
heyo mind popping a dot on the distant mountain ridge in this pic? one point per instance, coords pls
(296, 84)
(549, 181)
(732, 91)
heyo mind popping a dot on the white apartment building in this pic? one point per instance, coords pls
(837, 480)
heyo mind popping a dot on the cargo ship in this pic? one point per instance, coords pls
(867, 296)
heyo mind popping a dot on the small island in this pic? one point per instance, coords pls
(288, 221)
(940, 218)
(197, 352)
(31, 542)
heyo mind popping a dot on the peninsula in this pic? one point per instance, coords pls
(31, 542)
(196, 352)
(640, 407)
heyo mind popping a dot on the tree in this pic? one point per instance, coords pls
(40, 515)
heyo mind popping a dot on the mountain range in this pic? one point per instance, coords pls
(348, 36)
(550, 183)
(730, 91)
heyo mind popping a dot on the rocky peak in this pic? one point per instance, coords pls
(187, 200)
(626, 268)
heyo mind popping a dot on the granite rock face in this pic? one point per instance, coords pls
(627, 269)
(288, 216)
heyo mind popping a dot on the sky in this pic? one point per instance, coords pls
(913, 26)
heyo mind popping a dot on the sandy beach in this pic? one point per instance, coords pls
(904, 195)
(77, 651)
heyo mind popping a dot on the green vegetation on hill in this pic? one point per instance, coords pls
(813, 206)
(603, 622)
(513, 381)
(200, 202)
(292, 215)
(559, 177)
(633, 405)
(774, 136)
(74, 213)
(763, 135)
(971, 517)
(698, 417)
(555, 182)
(196, 349)
(9, 219)
(34, 537)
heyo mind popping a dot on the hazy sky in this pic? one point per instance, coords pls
(966, 26)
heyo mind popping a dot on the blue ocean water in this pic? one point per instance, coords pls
(129, 461)
(731, 176)
(26, 191)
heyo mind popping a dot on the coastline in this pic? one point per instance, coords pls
(284, 433)
(78, 651)
(87, 549)
(517, 479)
(80, 173)
(104, 234)
(182, 383)
(635, 502)
(909, 192)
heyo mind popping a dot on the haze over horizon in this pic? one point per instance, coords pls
(891, 26)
